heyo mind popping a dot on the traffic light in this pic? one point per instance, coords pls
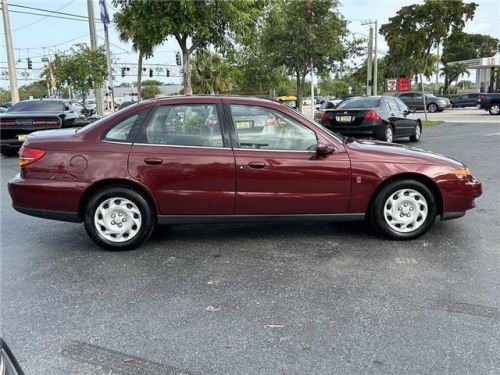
(123, 71)
(168, 73)
(178, 58)
(30, 64)
(150, 72)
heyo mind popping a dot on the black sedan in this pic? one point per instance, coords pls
(381, 117)
(28, 116)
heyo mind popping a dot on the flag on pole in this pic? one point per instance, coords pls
(104, 13)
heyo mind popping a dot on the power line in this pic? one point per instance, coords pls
(48, 15)
(41, 19)
(50, 11)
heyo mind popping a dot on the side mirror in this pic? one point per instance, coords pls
(324, 149)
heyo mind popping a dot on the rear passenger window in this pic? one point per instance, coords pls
(392, 104)
(184, 125)
(126, 129)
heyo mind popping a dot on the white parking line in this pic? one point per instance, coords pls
(489, 135)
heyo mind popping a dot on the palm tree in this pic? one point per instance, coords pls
(453, 73)
(210, 73)
(139, 28)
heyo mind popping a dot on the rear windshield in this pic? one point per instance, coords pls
(38, 106)
(361, 102)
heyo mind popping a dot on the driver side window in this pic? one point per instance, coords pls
(267, 129)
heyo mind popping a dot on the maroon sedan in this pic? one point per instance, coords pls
(229, 159)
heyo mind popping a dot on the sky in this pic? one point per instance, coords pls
(34, 36)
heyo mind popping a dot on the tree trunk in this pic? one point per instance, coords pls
(139, 76)
(186, 70)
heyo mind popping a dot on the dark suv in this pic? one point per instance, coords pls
(414, 100)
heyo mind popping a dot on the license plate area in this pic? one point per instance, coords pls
(343, 118)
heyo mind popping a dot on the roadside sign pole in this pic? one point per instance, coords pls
(10, 54)
(375, 63)
(423, 95)
(111, 96)
(312, 90)
(369, 68)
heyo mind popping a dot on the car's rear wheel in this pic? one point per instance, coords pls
(403, 210)
(494, 109)
(417, 134)
(9, 151)
(119, 218)
(432, 108)
(388, 135)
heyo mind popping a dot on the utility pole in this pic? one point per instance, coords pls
(111, 96)
(375, 64)
(369, 63)
(93, 45)
(14, 93)
(437, 71)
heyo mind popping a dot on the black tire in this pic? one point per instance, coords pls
(147, 216)
(432, 107)
(494, 109)
(416, 134)
(388, 135)
(9, 151)
(376, 213)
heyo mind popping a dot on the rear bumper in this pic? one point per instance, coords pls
(51, 199)
(376, 131)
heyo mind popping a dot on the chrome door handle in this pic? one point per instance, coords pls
(153, 161)
(256, 165)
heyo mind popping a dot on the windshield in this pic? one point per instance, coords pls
(360, 102)
(38, 106)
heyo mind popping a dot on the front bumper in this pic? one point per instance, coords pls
(459, 195)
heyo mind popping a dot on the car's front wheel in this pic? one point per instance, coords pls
(119, 218)
(403, 210)
(432, 108)
(494, 109)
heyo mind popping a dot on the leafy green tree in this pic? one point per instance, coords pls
(193, 24)
(123, 84)
(150, 91)
(417, 29)
(137, 21)
(37, 89)
(298, 33)
(210, 73)
(4, 96)
(81, 68)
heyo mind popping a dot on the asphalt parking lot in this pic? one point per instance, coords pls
(303, 298)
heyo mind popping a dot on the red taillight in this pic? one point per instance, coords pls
(28, 155)
(325, 116)
(371, 115)
(7, 122)
(45, 122)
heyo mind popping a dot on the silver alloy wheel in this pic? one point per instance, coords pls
(417, 133)
(495, 109)
(117, 219)
(388, 134)
(432, 108)
(405, 210)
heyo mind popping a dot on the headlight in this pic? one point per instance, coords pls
(461, 172)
